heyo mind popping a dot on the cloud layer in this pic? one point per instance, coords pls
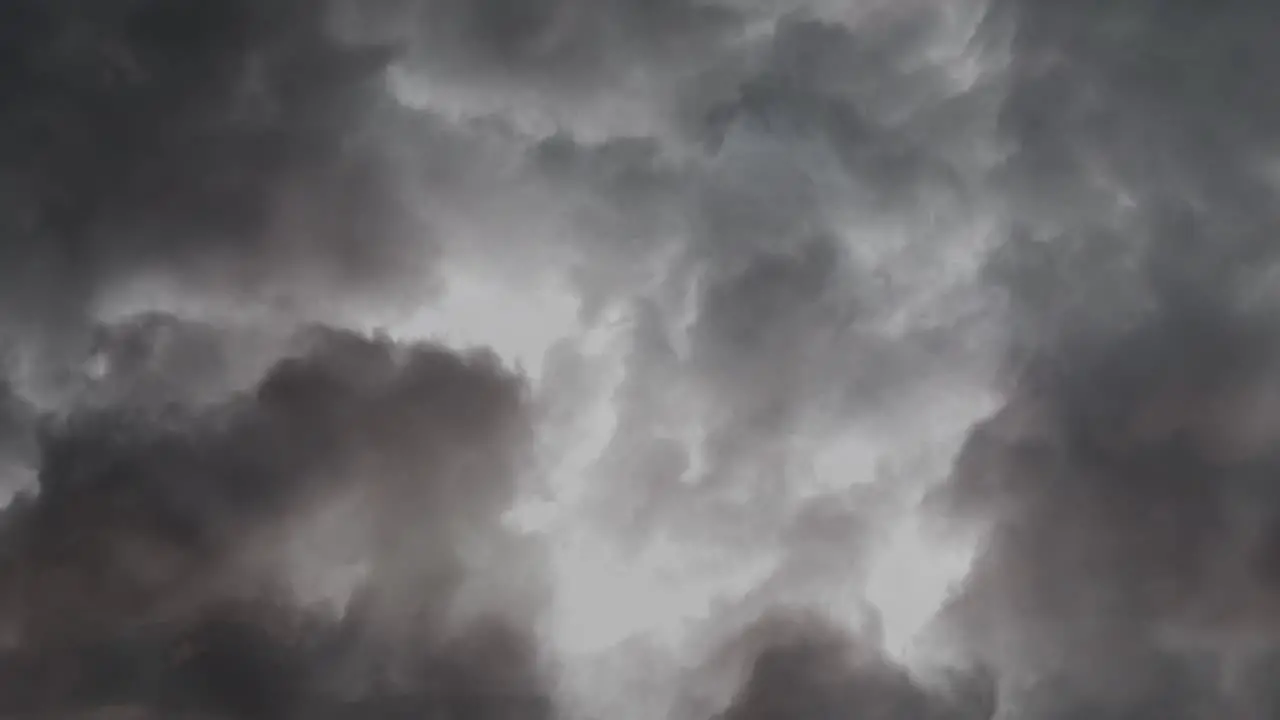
(551, 358)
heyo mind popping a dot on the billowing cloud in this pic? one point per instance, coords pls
(1127, 570)
(905, 359)
(225, 147)
(158, 561)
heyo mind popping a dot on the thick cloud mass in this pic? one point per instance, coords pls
(799, 666)
(1129, 573)
(753, 276)
(144, 570)
(218, 144)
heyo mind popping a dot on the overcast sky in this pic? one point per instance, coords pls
(639, 359)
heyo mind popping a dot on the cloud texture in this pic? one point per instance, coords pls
(644, 359)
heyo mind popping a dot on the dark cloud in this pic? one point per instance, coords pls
(1132, 518)
(783, 212)
(1128, 572)
(148, 568)
(565, 48)
(1142, 173)
(185, 467)
(799, 666)
(219, 146)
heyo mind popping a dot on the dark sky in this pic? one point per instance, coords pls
(489, 359)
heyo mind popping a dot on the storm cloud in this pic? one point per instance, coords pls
(551, 358)
(152, 524)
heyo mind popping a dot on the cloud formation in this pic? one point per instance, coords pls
(891, 360)
(155, 526)
(1126, 574)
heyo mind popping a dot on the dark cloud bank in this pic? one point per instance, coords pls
(252, 151)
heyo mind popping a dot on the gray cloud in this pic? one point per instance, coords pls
(1127, 572)
(798, 223)
(220, 147)
(801, 667)
(155, 527)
